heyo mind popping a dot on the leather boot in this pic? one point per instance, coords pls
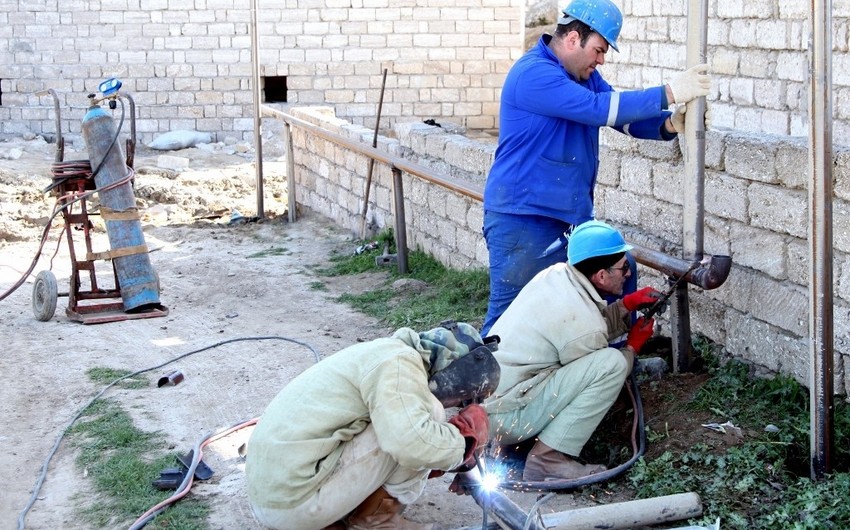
(545, 463)
(382, 511)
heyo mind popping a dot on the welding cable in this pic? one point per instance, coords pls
(66, 201)
(43, 475)
(638, 440)
(186, 484)
(533, 512)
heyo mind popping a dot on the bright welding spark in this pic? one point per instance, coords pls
(490, 481)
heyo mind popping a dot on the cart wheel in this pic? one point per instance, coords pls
(44, 296)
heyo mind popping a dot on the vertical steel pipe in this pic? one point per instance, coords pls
(255, 85)
(290, 169)
(400, 225)
(820, 240)
(693, 214)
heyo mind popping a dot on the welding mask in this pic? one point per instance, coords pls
(463, 368)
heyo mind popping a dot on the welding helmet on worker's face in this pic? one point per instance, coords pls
(462, 367)
(602, 16)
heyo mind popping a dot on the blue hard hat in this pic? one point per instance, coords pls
(593, 239)
(603, 17)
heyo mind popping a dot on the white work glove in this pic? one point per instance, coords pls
(677, 119)
(690, 84)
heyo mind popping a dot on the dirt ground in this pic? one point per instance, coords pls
(225, 285)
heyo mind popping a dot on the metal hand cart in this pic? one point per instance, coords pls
(89, 301)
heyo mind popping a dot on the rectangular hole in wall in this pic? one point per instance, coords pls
(274, 89)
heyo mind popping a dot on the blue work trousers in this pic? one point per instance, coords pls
(520, 246)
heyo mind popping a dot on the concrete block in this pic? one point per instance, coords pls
(750, 158)
(636, 175)
(741, 90)
(667, 182)
(841, 275)
(726, 196)
(798, 261)
(716, 239)
(759, 249)
(792, 66)
(707, 315)
(841, 225)
(175, 163)
(792, 163)
(841, 173)
(773, 34)
(661, 219)
(775, 122)
(778, 209)
(750, 339)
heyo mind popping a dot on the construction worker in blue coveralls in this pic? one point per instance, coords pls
(553, 103)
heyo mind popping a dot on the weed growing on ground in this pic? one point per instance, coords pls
(105, 376)
(121, 461)
(451, 294)
(762, 482)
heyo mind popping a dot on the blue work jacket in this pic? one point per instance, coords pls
(548, 153)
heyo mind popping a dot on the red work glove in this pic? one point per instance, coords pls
(474, 426)
(641, 298)
(640, 333)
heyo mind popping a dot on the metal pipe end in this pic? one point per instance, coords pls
(714, 274)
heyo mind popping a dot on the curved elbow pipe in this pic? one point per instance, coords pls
(709, 274)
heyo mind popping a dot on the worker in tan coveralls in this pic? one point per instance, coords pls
(352, 440)
(559, 376)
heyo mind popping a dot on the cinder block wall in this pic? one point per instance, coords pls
(758, 51)
(756, 211)
(188, 64)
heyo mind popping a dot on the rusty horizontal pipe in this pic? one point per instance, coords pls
(418, 170)
(710, 274)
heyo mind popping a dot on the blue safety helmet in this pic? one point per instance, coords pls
(603, 17)
(593, 239)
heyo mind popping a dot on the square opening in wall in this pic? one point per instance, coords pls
(274, 89)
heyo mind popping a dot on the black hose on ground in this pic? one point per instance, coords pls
(638, 449)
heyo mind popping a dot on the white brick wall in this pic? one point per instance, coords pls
(171, 54)
(758, 52)
(436, 52)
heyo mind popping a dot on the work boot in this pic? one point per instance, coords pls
(382, 511)
(544, 463)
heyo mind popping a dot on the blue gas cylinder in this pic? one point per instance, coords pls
(137, 280)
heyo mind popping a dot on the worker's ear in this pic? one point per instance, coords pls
(573, 39)
(596, 278)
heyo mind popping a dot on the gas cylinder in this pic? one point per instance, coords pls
(136, 277)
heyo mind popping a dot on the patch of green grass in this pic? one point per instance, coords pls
(273, 251)
(762, 482)
(318, 286)
(106, 376)
(450, 294)
(121, 461)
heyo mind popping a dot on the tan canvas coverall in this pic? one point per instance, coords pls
(358, 420)
(559, 376)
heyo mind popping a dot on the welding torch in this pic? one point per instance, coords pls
(659, 304)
